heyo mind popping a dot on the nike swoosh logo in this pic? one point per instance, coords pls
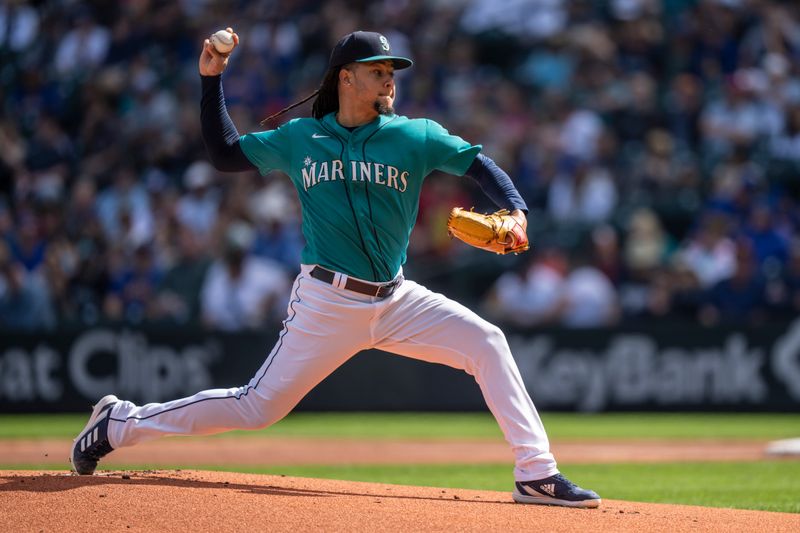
(318, 136)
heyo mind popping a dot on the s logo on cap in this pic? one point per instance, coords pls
(365, 46)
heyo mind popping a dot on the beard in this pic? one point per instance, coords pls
(383, 107)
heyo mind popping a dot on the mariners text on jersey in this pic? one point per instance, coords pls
(358, 188)
(315, 173)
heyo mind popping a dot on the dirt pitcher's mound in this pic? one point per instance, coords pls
(217, 501)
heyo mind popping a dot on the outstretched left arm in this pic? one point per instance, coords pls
(504, 231)
(496, 184)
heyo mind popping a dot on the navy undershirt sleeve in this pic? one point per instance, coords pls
(496, 184)
(219, 133)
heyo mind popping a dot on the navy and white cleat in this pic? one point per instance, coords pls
(554, 490)
(92, 442)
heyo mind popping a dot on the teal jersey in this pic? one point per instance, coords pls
(359, 190)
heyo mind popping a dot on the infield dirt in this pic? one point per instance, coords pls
(216, 501)
(171, 500)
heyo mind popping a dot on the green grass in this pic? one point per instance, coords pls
(769, 486)
(745, 426)
(764, 485)
(468, 425)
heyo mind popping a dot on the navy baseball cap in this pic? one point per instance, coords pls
(364, 46)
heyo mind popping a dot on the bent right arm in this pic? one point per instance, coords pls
(219, 133)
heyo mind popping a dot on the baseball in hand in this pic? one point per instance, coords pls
(222, 41)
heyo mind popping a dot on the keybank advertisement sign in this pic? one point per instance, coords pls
(681, 368)
(668, 368)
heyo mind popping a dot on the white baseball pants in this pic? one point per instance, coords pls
(327, 325)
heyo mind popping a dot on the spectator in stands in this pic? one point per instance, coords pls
(278, 235)
(709, 256)
(24, 298)
(242, 291)
(782, 87)
(550, 66)
(739, 299)
(153, 112)
(580, 133)
(664, 171)
(683, 106)
(50, 156)
(12, 156)
(647, 246)
(684, 110)
(90, 281)
(98, 137)
(583, 193)
(26, 244)
(791, 297)
(589, 298)
(641, 113)
(739, 118)
(134, 286)
(770, 249)
(774, 30)
(711, 31)
(786, 146)
(124, 209)
(733, 182)
(178, 298)
(198, 208)
(646, 252)
(84, 47)
(59, 266)
(534, 295)
(525, 19)
(19, 25)
(605, 253)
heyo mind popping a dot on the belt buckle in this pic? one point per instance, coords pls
(391, 286)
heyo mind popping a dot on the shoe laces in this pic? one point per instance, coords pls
(560, 477)
(99, 449)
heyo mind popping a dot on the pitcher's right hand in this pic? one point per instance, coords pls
(212, 63)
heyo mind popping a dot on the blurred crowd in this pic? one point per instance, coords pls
(656, 142)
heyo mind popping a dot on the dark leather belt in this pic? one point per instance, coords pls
(381, 291)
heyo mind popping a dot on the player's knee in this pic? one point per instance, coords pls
(495, 338)
(492, 345)
(261, 420)
(259, 424)
(269, 413)
(492, 338)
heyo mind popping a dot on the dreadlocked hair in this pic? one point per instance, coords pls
(327, 98)
(327, 95)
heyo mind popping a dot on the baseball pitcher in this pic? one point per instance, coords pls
(358, 168)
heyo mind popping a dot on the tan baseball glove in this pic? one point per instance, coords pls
(499, 232)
